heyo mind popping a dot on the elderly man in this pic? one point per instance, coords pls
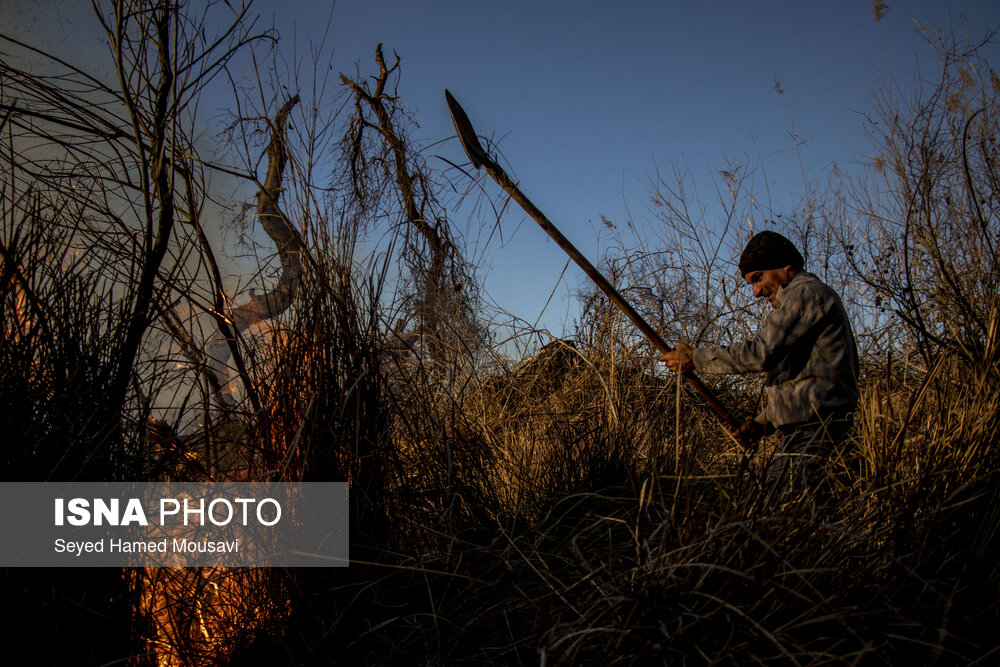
(806, 347)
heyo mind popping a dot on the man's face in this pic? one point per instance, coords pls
(766, 283)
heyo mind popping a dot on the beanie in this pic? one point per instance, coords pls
(769, 250)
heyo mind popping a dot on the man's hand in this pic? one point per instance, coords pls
(750, 432)
(679, 361)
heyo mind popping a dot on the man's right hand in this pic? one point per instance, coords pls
(679, 359)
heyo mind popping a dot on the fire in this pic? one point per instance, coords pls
(21, 309)
(199, 615)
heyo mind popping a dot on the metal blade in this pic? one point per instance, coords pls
(466, 133)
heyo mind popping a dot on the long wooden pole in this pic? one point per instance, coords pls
(479, 157)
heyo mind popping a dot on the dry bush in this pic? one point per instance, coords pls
(579, 508)
(921, 229)
(101, 194)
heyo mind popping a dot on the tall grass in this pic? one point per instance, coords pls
(593, 555)
(576, 508)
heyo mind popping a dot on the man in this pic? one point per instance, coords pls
(806, 347)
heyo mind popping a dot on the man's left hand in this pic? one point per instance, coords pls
(750, 432)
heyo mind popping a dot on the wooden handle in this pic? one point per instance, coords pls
(501, 177)
(479, 157)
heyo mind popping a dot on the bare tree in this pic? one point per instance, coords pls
(444, 295)
(929, 210)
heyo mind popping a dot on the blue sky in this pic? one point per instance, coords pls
(587, 98)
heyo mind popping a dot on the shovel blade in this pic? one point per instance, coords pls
(466, 133)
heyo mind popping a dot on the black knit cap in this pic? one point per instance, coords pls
(769, 250)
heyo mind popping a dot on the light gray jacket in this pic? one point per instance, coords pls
(807, 349)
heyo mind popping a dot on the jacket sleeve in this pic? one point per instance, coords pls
(797, 312)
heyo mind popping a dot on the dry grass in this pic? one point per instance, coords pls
(579, 509)
(617, 563)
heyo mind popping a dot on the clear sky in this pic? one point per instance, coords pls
(587, 97)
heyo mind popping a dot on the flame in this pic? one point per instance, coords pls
(199, 614)
(21, 309)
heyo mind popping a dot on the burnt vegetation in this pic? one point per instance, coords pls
(577, 507)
